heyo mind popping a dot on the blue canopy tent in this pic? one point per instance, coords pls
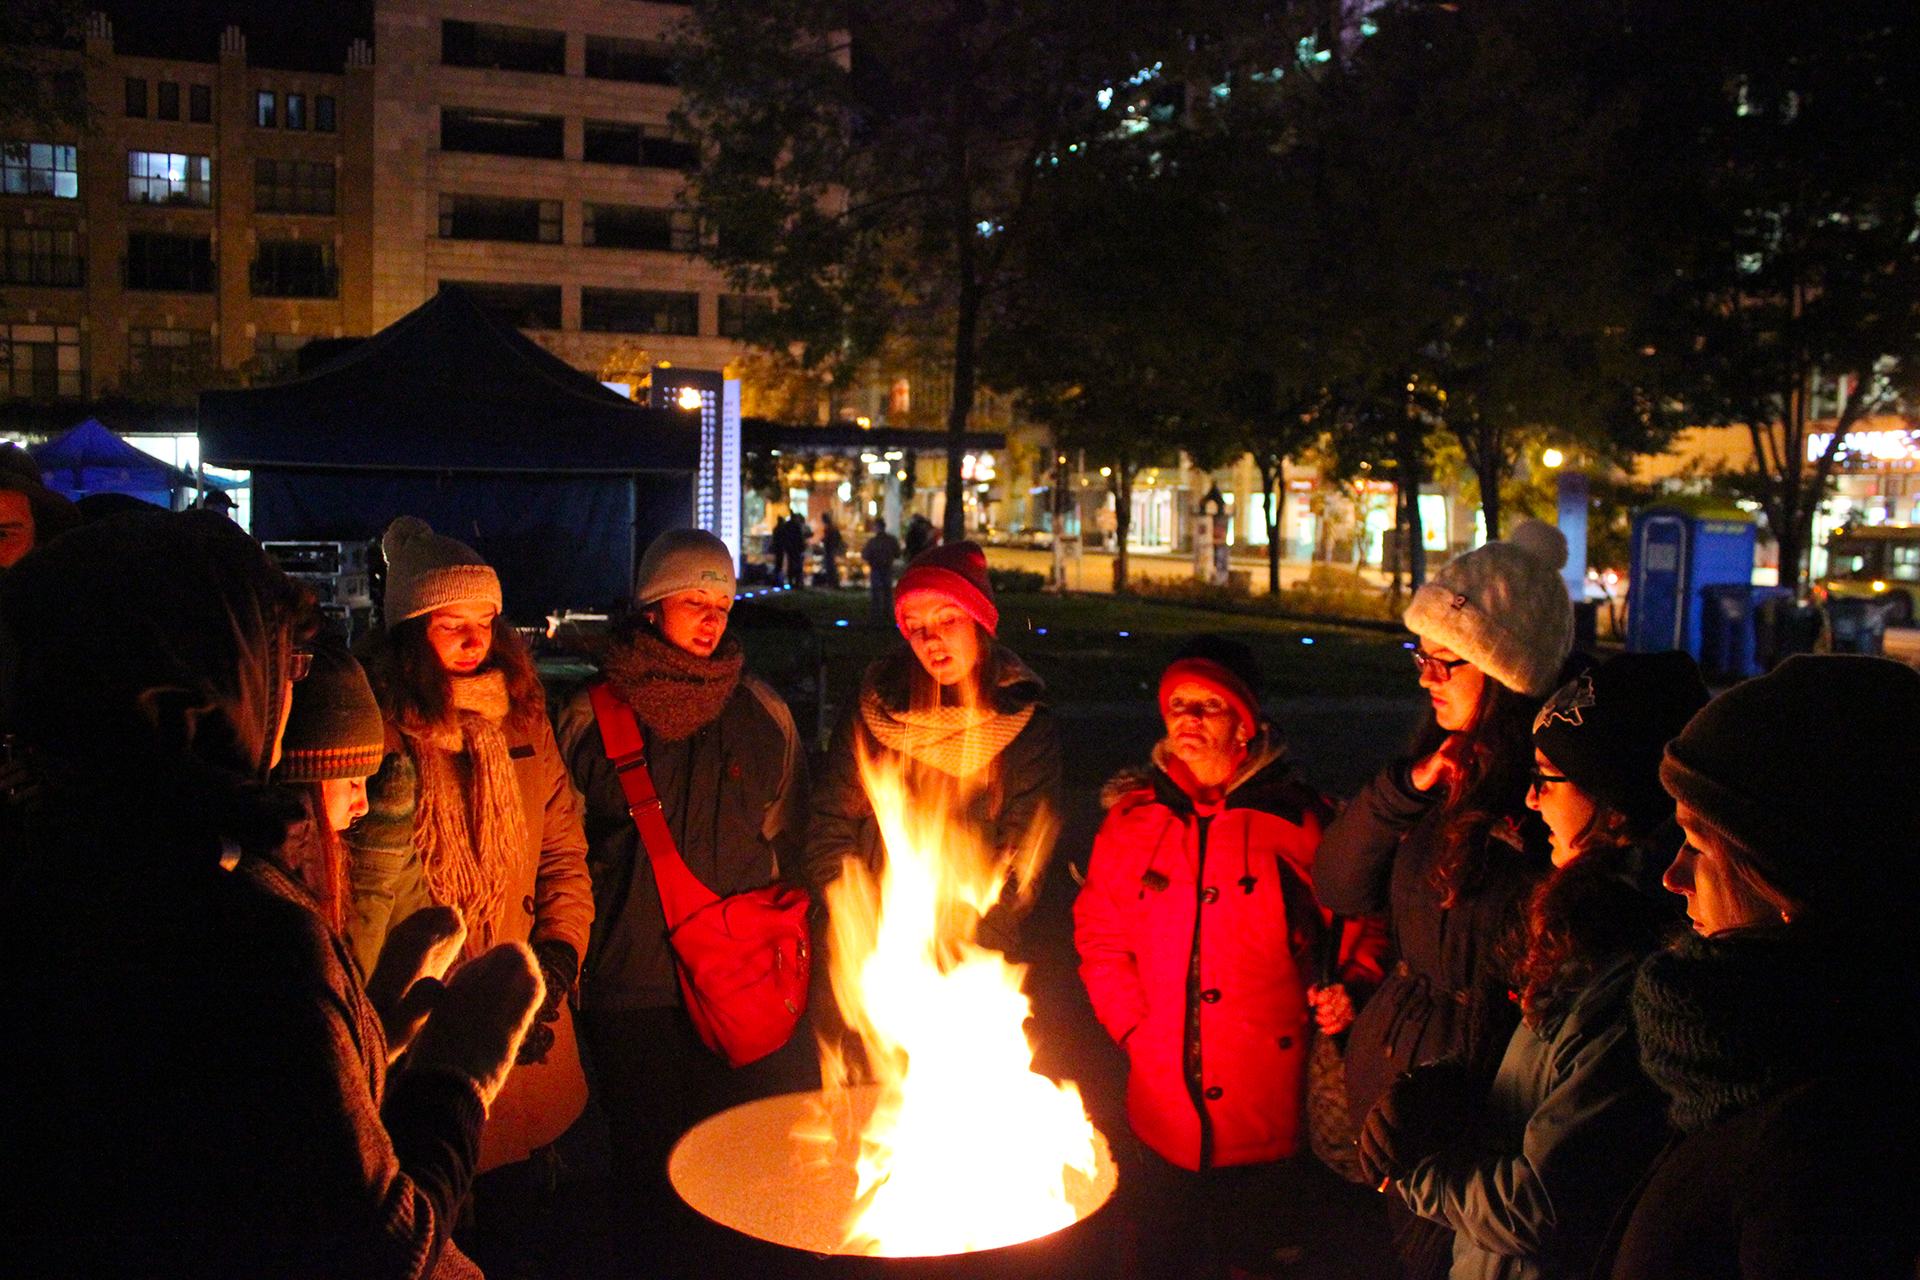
(91, 459)
(468, 424)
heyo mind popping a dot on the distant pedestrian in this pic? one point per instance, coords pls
(919, 536)
(881, 551)
(794, 547)
(832, 547)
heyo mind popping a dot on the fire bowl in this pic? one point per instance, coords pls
(745, 1170)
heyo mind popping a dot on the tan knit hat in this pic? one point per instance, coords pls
(1503, 608)
(334, 729)
(426, 571)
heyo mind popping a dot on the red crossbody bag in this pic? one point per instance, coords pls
(742, 959)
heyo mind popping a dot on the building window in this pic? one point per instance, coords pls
(294, 269)
(626, 226)
(293, 186)
(137, 97)
(660, 150)
(40, 169)
(200, 103)
(166, 105)
(518, 306)
(266, 109)
(276, 356)
(614, 58)
(492, 47)
(44, 256)
(639, 311)
(296, 111)
(164, 177)
(176, 264)
(323, 113)
(170, 357)
(499, 218)
(608, 142)
(501, 133)
(41, 361)
(738, 311)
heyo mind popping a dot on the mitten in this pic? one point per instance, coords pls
(559, 967)
(405, 980)
(1424, 1112)
(481, 1018)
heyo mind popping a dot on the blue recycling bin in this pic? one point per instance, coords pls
(1680, 548)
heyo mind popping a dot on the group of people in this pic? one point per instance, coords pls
(790, 536)
(314, 952)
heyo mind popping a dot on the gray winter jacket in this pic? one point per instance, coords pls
(1571, 1126)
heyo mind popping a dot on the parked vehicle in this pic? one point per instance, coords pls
(1875, 562)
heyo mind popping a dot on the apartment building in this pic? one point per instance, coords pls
(212, 218)
(523, 149)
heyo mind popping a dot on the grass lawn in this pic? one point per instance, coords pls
(1093, 649)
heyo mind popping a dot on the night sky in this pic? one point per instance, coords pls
(293, 35)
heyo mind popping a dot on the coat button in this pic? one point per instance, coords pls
(1211, 896)
(1211, 995)
(527, 903)
(1286, 1042)
(1214, 1092)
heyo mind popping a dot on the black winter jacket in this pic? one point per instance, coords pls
(1025, 779)
(1446, 994)
(735, 798)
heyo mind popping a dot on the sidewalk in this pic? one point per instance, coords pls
(1095, 572)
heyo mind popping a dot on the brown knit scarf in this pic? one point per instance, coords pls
(469, 832)
(958, 741)
(674, 693)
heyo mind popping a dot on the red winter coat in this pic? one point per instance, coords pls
(1240, 1015)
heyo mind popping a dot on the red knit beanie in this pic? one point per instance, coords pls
(956, 570)
(1218, 677)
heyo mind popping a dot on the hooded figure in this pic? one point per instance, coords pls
(199, 1086)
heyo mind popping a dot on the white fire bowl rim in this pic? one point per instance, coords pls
(744, 1170)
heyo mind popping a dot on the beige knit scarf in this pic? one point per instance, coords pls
(959, 741)
(470, 831)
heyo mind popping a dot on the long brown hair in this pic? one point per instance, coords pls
(412, 686)
(315, 856)
(1586, 914)
(1491, 789)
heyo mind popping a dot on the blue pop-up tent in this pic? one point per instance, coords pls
(91, 459)
(470, 425)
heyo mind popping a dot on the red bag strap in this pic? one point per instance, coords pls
(681, 893)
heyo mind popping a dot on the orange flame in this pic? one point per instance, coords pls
(968, 1148)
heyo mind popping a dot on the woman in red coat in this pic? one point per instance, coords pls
(1198, 928)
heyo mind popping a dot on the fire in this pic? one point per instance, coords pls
(967, 1148)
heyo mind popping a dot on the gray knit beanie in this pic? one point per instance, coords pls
(426, 571)
(1503, 608)
(683, 560)
(334, 729)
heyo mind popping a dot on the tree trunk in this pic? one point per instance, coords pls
(965, 331)
(1274, 489)
(1408, 462)
(1122, 524)
(1489, 472)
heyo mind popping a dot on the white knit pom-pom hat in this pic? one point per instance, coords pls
(1503, 607)
(428, 571)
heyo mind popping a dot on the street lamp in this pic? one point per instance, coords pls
(1553, 457)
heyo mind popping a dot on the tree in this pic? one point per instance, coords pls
(40, 85)
(868, 164)
(1778, 169)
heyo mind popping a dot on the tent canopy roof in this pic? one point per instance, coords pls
(91, 447)
(444, 388)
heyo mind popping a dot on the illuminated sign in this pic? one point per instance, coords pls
(1879, 446)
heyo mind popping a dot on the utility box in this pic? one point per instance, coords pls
(1680, 549)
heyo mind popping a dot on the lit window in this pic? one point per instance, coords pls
(40, 362)
(266, 111)
(162, 177)
(40, 169)
(296, 111)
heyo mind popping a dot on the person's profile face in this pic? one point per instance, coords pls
(16, 527)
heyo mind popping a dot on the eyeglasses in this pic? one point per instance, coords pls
(299, 663)
(1439, 670)
(1538, 778)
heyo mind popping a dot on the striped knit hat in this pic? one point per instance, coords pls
(426, 571)
(334, 730)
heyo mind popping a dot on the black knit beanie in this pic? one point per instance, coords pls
(334, 729)
(1606, 730)
(1811, 770)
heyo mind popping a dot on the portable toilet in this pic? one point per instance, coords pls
(1681, 548)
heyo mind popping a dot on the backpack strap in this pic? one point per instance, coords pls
(681, 893)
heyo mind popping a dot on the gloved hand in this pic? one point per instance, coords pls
(1424, 1112)
(406, 979)
(559, 968)
(481, 1018)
